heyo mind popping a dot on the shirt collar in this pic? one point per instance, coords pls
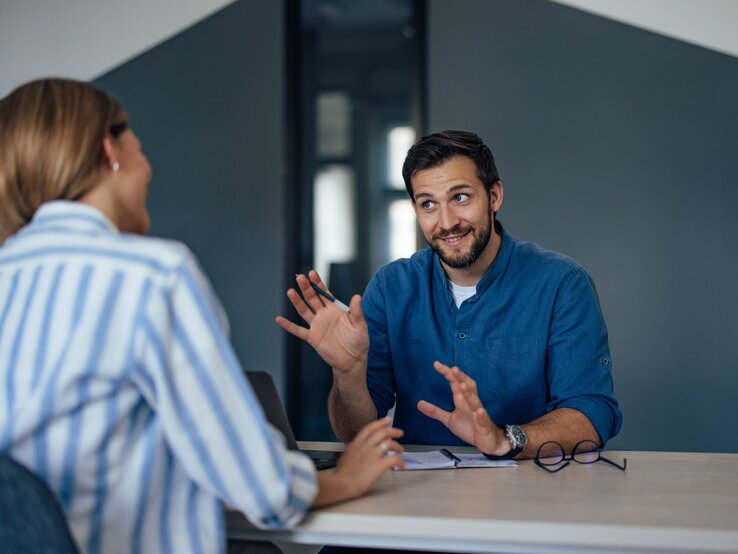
(75, 217)
(499, 264)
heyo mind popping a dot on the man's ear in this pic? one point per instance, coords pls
(496, 193)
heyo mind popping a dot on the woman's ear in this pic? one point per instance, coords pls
(110, 157)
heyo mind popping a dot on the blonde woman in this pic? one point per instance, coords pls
(118, 385)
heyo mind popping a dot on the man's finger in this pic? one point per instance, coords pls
(444, 370)
(300, 306)
(292, 328)
(470, 383)
(433, 411)
(315, 278)
(469, 393)
(312, 298)
(482, 421)
(356, 314)
(462, 405)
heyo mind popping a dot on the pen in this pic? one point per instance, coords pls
(330, 297)
(450, 456)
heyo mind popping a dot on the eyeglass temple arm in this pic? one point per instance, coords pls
(625, 462)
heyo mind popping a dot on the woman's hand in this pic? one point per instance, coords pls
(369, 455)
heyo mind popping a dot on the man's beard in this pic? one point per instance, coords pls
(463, 260)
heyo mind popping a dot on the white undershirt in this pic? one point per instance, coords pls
(461, 293)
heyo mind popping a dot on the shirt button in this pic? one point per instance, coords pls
(462, 335)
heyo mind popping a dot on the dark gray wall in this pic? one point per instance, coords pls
(208, 106)
(618, 147)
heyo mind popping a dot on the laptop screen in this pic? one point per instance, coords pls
(266, 392)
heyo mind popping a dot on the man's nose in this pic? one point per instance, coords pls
(448, 218)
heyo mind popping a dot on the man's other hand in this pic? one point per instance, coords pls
(469, 421)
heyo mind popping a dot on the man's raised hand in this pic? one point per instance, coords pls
(340, 338)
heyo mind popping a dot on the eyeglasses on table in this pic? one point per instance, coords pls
(551, 454)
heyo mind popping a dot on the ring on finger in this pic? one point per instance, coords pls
(384, 446)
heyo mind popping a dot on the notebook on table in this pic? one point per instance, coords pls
(266, 392)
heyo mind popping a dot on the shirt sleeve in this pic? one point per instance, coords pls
(579, 362)
(380, 372)
(210, 416)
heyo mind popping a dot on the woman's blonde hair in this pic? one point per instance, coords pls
(51, 145)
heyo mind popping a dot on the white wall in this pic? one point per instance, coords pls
(84, 38)
(707, 23)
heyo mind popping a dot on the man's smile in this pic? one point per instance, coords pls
(455, 239)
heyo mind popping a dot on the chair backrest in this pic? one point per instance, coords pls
(32, 519)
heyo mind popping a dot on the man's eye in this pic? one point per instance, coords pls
(461, 197)
(427, 205)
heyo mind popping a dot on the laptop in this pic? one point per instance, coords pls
(268, 396)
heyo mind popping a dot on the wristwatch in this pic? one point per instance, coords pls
(518, 439)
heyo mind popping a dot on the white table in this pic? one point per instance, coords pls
(664, 502)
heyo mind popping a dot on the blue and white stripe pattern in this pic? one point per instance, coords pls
(119, 387)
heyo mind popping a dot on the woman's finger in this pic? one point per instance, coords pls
(370, 428)
(392, 462)
(382, 436)
(394, 446)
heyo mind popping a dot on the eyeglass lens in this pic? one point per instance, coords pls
(552, 453)
(586, 452)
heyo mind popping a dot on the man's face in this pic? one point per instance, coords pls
(455, 212)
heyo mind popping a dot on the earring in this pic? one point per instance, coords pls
(115, 167)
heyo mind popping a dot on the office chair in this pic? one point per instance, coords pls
(32, 519)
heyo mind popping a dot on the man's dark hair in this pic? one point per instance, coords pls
(438, 148)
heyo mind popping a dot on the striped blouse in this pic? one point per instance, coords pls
(120, 389)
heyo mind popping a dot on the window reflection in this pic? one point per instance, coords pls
(334, 217)
(399, 141)
(333, 125)
(403, 231)
(356, 78)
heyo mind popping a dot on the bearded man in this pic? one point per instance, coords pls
(522, 322)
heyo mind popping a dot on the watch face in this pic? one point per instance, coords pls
(517, 435)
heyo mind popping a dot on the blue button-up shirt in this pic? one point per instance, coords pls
(532, 337)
